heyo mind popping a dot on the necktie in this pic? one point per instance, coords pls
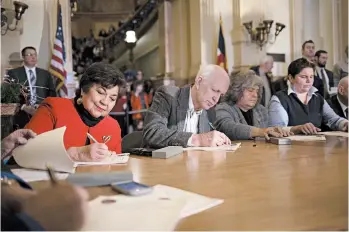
(33, 89)
(324, 81)
(346, 113)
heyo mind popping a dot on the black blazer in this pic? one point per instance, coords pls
(43, 79)
(271, 86)
(319, 84)
(333, 102)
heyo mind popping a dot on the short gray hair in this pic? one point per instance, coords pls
(241, 81)
(266, 59)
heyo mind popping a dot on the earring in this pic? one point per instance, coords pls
(79, 101)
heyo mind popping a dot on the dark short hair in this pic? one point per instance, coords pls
(106, 75)
(26, 48)
(298, 65)
(137, 83)
(308, 41)
(318, 53)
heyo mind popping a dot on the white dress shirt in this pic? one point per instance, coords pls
(344, 107)
(191, 120)
(28, 76)
(318, 70)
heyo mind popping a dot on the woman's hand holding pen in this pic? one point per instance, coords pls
(93, 152)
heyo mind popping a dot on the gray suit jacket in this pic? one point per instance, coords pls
(232, 123)
(43, 79)
(164, 120)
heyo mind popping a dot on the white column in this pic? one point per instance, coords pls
(168, 38)
(311, 19)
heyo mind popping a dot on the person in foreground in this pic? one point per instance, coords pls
(25, 210)
(181, 116)
(241, 116)
(339, 101)
(87, 113)
(299, 107)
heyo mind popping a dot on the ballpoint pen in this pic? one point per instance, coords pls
(95, 141)
(213, 128)
(91, 137)
(52, 175)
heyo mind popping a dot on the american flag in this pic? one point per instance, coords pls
(221, 56)
(58, 56)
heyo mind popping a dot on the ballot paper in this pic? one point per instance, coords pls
(113, 159)
(232, 147)
(306, 138)
(335, 133)
(45, 149)
(159, 210)
(48, 149)
(30, 175)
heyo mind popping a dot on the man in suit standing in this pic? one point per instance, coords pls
(181, 116)
(324, 74)
(263, 70)
(339, 102)
(308, 52)
(38, 81)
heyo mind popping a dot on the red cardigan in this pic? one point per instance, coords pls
(59, 112)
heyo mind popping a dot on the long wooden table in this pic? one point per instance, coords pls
(264, 186)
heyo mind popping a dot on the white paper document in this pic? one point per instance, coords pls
(335, 133)
(30, 175)
(48, 149)
(159, 210)
(307, 138)
(232, 147)
(195, 203)
(113, 159)
(45, 149)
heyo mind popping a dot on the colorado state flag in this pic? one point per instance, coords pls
(221, 56)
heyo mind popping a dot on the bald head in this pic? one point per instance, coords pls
(343, 81)
(343, 90)
(211, 82)
(212, 71)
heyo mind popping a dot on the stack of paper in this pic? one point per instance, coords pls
(335, 133)
(30, 175)
(232, 147)
(48, 149)
(113, 159)
(160, 210)
(307, 138)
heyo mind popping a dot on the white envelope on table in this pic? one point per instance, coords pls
(48, 149)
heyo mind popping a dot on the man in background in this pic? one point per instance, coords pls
(308, 52)
(339, 102)
(340, 69)
(264, 71)
(39, 83)
(324, 74)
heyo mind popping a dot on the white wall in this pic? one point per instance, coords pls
(37, 29)
(258, 10)
(210, 13)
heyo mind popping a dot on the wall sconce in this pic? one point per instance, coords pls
(19, 11)
(260, 35)
(73, 7)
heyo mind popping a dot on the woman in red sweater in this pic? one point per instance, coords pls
(87, 113)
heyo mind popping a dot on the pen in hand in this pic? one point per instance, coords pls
(211, 125)
(91, 137)
(52, 175)
(95, 141)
